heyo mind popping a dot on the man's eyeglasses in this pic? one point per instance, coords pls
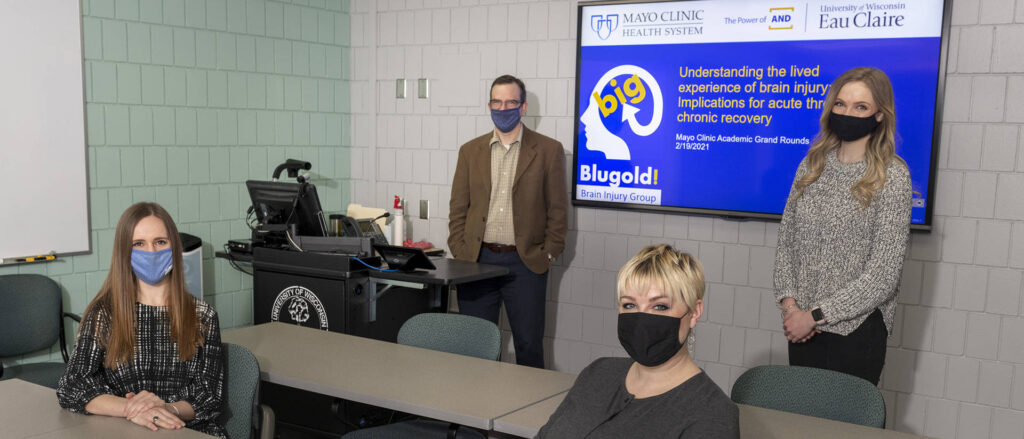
(496, 104)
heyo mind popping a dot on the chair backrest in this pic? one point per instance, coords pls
(241, 383)
(30, 313)
(454, 333)
(811, 391)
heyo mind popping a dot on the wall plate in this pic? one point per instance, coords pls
(400, 88)
(423, 88)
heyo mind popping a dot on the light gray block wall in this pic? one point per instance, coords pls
(187, 99)
(955, 365)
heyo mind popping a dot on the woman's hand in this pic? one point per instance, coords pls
(788, 305)
(799, 326)
(156, 418)
(140, 402)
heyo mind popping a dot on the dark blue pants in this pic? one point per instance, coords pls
(524, 294)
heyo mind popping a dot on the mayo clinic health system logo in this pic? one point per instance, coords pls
(638, 86)
(300, 303)
(604, 25)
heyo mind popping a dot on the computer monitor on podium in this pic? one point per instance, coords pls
(280, 205)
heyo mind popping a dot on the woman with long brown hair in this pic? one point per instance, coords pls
(147, 350)
(844, 232)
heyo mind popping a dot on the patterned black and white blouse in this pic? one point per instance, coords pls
(155, 368)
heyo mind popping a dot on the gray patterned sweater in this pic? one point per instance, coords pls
(834, 254)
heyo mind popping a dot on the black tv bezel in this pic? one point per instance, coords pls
(926, 226)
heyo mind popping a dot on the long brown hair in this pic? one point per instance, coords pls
(117, 296)
(881, 148)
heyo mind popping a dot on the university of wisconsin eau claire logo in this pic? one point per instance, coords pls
(300, 304)
(604, 25)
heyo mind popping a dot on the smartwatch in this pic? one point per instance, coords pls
(818, 316)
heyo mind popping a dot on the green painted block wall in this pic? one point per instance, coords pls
(187, 99)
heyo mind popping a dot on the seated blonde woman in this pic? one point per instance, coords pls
(659, 392)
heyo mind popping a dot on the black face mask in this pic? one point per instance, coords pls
(650, 339)
(850, 128)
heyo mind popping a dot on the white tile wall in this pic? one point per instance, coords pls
(974, 421)
(950, 331)
(1015, 89)
(988, 102)
(982, 341)
(1011, 348)
(993, 243)
(999, 149)
(940, 419)
(910, 412)
(969, 287)
(1017, 394)
(962, 379)
(1003, 292)
(1007, 423)
(955, 365)
(994, 385)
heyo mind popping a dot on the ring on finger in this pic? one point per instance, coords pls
(156, 418)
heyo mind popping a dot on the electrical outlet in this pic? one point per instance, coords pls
(424, 209)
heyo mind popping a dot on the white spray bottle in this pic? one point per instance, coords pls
(398, 222)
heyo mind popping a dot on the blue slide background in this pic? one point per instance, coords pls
(749, 176)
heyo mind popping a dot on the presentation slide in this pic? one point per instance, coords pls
(711, 105)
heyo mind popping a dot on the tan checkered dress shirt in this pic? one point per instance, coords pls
(499, 228)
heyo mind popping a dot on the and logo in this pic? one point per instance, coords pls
(780, 18)
(630, 86)
(604, 25)
(301, 305)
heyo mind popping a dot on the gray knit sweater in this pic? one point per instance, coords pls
(834, 254)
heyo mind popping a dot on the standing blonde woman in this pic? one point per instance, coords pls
(147, 350)
(844, 232)
(659, 392)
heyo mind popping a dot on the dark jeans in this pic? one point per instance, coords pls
(524, 294)
(861, 354)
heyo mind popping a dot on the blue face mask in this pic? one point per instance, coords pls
(505, 120)
(152, 267)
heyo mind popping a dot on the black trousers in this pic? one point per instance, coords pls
(524, 294)
(861, 354)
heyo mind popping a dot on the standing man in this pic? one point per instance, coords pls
(509, 207)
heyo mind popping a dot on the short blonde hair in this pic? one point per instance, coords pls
(676, 274)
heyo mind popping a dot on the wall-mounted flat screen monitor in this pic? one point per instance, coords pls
(709, 106)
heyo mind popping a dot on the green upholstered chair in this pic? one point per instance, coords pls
(32, 319)
(452, 333)
(242, 414)
(813, 392)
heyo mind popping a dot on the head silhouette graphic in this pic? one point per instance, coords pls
(632, 90)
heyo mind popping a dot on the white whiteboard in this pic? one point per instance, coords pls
(43, 185)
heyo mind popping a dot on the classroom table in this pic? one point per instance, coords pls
(29, 410)
(755, 423)
(526, 422)
(453, 388)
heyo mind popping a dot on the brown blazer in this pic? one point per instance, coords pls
(540, 200)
